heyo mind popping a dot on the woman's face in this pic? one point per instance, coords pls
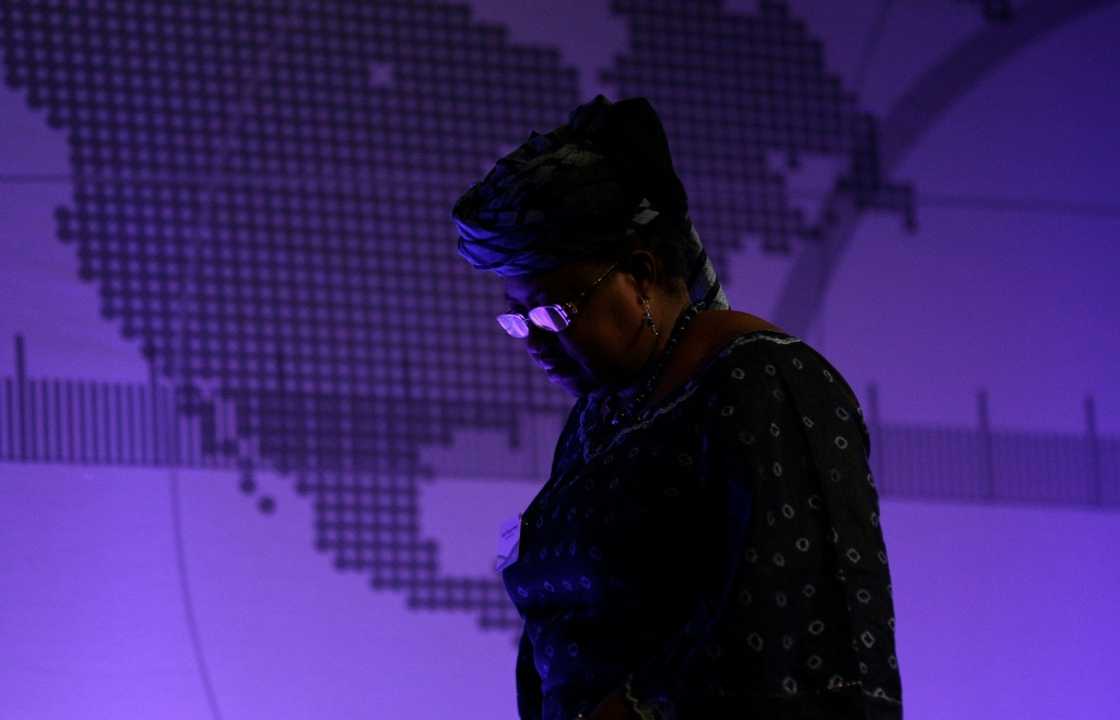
(603, 343)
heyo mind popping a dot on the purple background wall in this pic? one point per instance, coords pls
(219, 562)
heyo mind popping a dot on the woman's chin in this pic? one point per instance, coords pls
(573, 382)
(564, 380)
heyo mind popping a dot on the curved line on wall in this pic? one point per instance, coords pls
(185, 591)
(190, 268)
(918, 108)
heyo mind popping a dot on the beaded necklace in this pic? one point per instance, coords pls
(612, 417)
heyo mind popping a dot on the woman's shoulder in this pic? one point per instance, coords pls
(715, 327)
(712, 335)
(720, 333)
(729, 339)
(730, 335)
(779, 367)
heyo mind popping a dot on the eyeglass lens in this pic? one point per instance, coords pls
(546, 317)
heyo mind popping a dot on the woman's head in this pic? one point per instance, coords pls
(552, 216)
(604, 337)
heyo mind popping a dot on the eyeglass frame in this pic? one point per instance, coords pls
(567, 309)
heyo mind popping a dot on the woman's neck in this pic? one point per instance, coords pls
(630, 386)
(637, 381)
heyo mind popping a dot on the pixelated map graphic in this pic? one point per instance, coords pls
(261, 194)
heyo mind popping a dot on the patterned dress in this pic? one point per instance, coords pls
(719, 556)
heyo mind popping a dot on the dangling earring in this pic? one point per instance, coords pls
(648, 318)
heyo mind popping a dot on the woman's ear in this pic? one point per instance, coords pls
(643, 267)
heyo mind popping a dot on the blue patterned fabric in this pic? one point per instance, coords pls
(719, 556)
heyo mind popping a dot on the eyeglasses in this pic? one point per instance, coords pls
(553, 318)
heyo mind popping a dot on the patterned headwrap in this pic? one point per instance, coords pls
(580, 191)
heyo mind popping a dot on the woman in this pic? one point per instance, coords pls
(707, 544)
